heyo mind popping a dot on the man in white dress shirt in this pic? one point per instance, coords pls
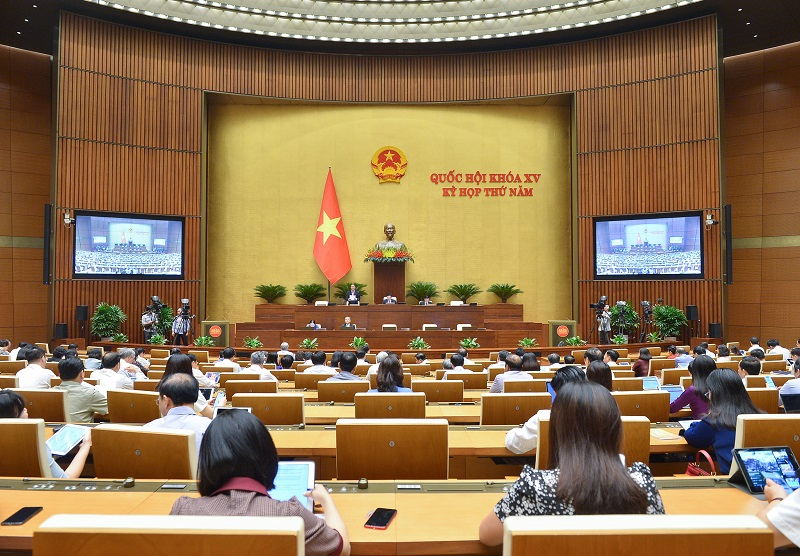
(257, 361)
(318, 365)
(774, 346)
(176, 397)
(513, 372)
(127, 367)
(109, 377)
(36, 375)
(228, 354)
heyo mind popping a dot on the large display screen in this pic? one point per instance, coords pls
(654, 246)
(138, 247)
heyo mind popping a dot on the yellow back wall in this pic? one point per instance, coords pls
(266, 170)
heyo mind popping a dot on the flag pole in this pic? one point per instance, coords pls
(329, 291)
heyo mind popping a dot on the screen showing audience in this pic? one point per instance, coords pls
(139, 247)
(649, 246)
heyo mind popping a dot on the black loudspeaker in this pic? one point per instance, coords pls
(81, 313)
(692, 313)
(48, 215)
(61, 330)
(715, 330)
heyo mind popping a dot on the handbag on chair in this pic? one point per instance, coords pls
(694, 469)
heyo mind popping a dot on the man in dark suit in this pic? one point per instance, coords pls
(389, 299)
(348, 324)
(426, 301)
(353, 296)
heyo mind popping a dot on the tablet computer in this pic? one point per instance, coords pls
(213, 376)
(650, 383)
(759, 464)
(674, 392)
(294, 478)
(207, 393)
(222, 408)
(65, 439)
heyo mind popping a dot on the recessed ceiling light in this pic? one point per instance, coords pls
(755, 36)
(748, 23)
(26, 21)
(740, 9)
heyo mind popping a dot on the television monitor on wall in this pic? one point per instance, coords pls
(649, 246)
(136, 247)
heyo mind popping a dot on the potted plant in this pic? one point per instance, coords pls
(309, 343)
(624, 321)
(204, 341)
(309, 292)
(343, 290)
(358, 343)
(653, 338)
(270, 293)
(574, 341)
(527, 342)
(504, 291)
(252, 343)
(119, 338)
(157, 340)
(165, 317)
(669, 321)
(469, 343)
(107, 320)
(418, 343)
(420, 290)
(619, 339)
(463, 291)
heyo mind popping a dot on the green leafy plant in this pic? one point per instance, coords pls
(653, 337)
(165, 317)
(619, 339)
(309, 292)
(528, 343)
(309, 343)
(574, 341)
(157, 340)
(252, 343)
(504, 291)
(469, 343)
(463, 291)
(629, 323)
(343, 290)
(358, 342)
(271, 292)
(204, 341)
(119, 338)
(418, 343)
(669, 320)
(107, 320)
(420, 290)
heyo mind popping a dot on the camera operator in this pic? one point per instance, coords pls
(181, 326)
(149, 322)
(604, 324)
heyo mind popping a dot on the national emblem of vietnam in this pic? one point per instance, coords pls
(389, 164)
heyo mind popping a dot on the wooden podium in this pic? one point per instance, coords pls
(388, 278)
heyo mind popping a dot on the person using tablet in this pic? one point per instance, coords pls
(727, 400)
(587, 474)
(12, 406)
(782, 514)
(237, 467)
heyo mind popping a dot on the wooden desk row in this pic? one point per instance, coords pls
(432, 517)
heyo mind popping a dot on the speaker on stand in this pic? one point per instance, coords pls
(82, 315)
(692, 315)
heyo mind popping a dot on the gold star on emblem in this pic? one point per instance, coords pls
(329, 227)
(389, 155)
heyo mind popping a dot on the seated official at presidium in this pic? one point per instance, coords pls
(348, 324)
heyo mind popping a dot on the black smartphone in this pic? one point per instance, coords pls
(22, 515)
(380, 518)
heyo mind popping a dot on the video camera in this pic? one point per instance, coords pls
(185, 310)
(600, 305)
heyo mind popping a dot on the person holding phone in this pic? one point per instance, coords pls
(12, 406)
(237, 467)
(587, 473)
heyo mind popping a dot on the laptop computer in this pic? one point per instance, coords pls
(650, 383)
(294, 478)
(756, 465)
(674, 392)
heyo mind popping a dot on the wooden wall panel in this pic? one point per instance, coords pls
(130, 106)
(762, 154)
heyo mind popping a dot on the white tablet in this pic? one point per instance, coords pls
(294, 478)
(222, 408)
(65, 439)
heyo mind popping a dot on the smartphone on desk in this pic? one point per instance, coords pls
(22, 515)
(380, 518)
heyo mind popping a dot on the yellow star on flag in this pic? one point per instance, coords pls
(329, 227)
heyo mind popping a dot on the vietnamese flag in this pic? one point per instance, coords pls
(330, 245)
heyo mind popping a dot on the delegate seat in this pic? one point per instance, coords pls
(623, 535)
(132, 406)
(22, 443)
(621, 371)
(233, 387)
(390, 405)
(157, 353)
(773, 357)
(149, 385)
(673, 376)
(650, 403)
(657, 366)
(122, 451)
(732, 365)
(512, 409)
(274, 409)
(780, 380)
(521, 386)
(392, 449)
(308, 381)
(45, 404)
(284, 375)
(635, 441)
(165, 535)
(202, 356)
(440, 390)
(755, 381)
(472, 381)
(773, 366)
(11, 367)
(225, 377)
(155, 374)
(629, 384)
(417, 369)
(765, 399)
(8, 381)
(340, 391)
(757, 430)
